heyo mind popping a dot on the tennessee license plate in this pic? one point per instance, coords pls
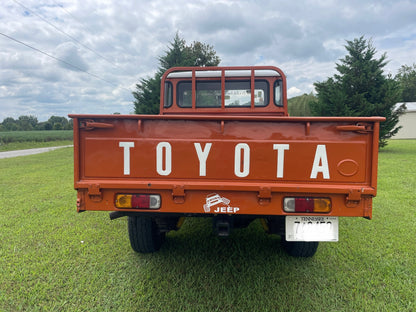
(311, 229)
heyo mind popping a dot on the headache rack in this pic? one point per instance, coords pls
(224, 90)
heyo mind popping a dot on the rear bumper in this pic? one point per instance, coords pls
(205, 202)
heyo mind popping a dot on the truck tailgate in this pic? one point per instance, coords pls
(251, 161)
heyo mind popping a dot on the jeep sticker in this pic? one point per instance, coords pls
(214, 203)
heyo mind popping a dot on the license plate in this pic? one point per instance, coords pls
(311, 229)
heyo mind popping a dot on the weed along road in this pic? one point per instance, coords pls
(27, 152)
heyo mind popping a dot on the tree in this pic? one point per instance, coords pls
(45, 125)
(361, 89)
(27, 123)
(59, 123)
(9, 124)
(407, 79)
(147, 94)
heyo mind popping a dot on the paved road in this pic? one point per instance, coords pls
(29, 151)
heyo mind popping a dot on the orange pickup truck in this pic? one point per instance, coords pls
(224, 147)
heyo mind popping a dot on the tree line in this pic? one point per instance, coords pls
(30, 123)
(360, 88)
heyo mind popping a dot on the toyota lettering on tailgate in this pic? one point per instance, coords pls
(241, 157)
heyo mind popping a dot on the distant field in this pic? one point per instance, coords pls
(35, 136)
(53, 259)
(300, 105)
(15, 140)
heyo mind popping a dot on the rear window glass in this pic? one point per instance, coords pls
(208, 94)
(237, 93)
(278, 93)
(168, 95)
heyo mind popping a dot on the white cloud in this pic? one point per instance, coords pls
(120, 42)
(293, 91)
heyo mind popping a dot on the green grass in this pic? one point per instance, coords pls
(53, 259)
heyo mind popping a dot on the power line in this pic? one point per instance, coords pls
(72, 16)
(66, 34)
(87, 29)
(62, 61)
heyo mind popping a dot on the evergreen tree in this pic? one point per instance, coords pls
(147, 94)
(360, 88)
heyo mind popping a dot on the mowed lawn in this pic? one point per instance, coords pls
(53, 259)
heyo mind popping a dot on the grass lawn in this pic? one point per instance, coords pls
(53, 259)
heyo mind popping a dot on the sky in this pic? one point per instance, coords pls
(86, 56)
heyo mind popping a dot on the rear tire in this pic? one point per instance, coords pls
(144, 234)
(300, 249)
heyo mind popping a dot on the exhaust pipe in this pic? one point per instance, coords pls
(117, 214)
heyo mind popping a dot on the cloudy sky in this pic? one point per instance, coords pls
(85, 56)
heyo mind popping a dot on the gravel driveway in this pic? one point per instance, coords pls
(30, 151)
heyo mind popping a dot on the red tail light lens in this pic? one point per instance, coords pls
(306, 204)
(138, 201)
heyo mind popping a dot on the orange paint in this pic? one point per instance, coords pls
(219, 146)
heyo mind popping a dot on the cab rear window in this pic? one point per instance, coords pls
(237, 93)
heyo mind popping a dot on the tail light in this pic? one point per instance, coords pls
(306, 204)
(138, 201)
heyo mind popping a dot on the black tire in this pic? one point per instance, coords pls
(144, 234)
(300, 249)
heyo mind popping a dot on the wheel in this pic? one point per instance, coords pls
(300, 249)
(144, 234)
